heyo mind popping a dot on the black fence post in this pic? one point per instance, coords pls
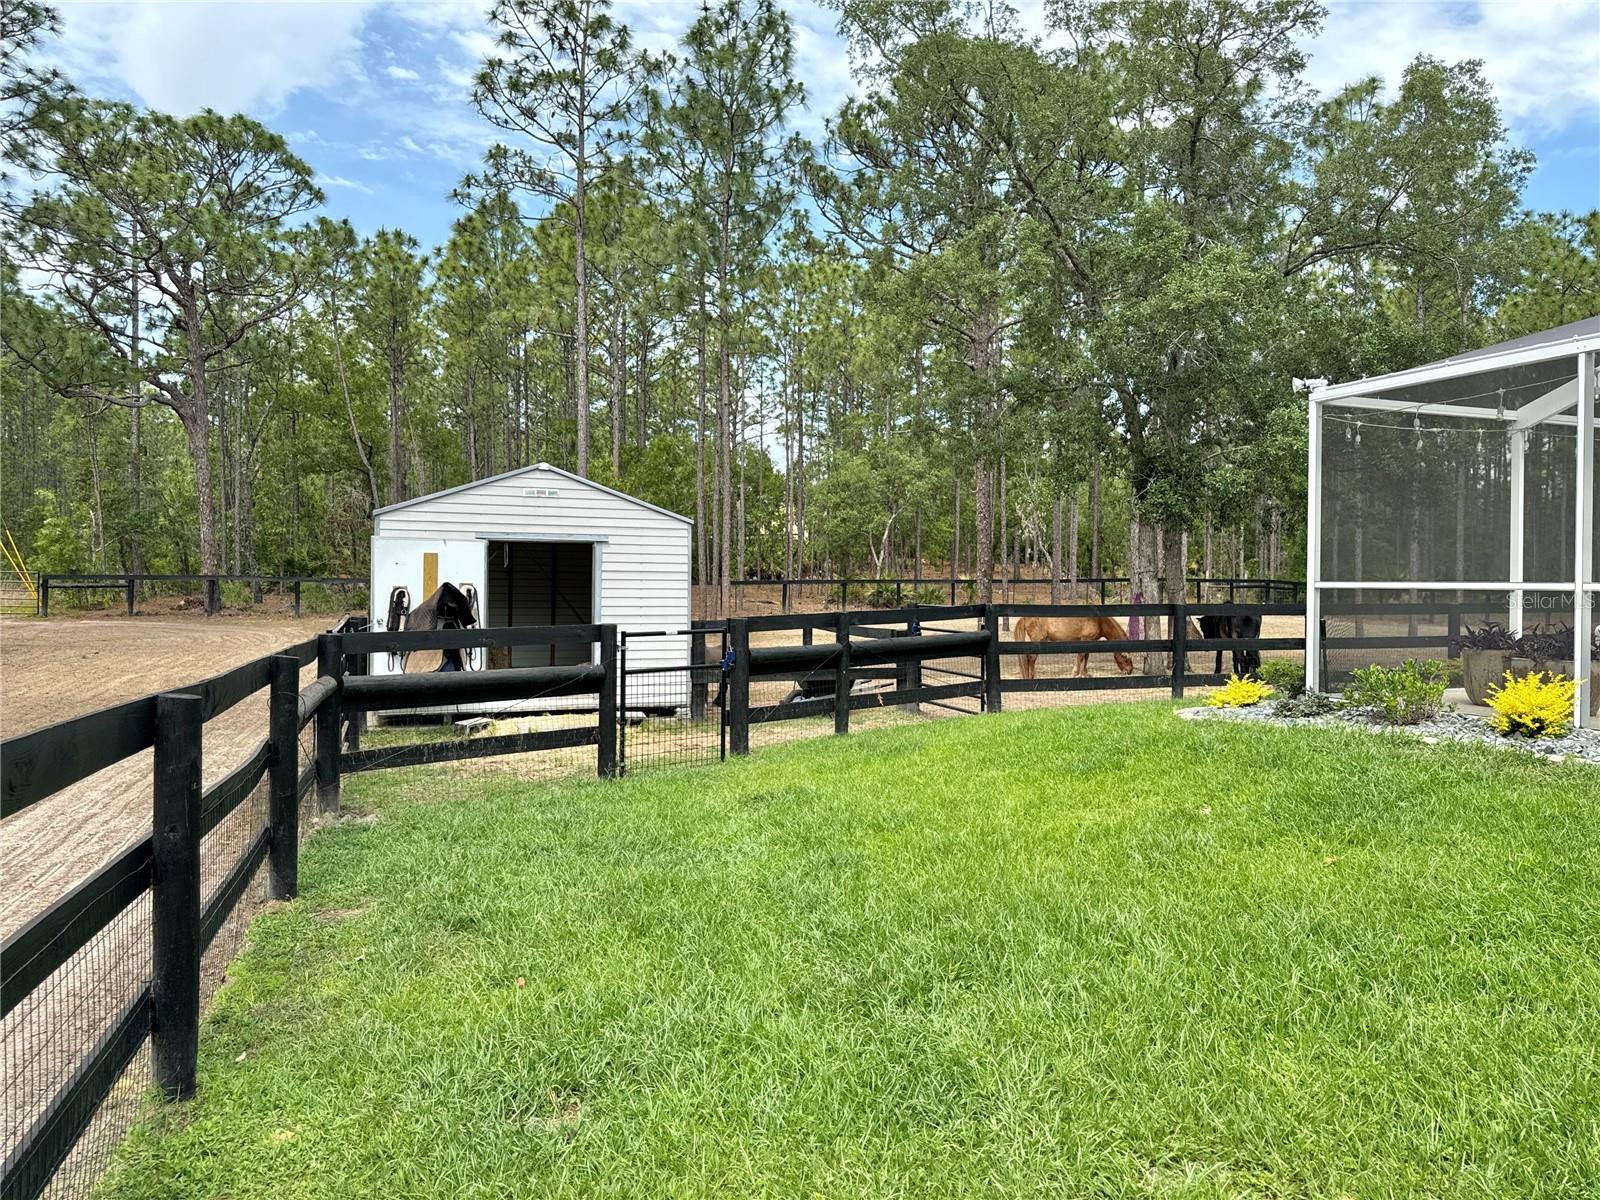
(175, 896)
(1180, 648)
(606, 758)
(213, 596)
(330, 663)
(738, 688)
(698, 683)
(1102, 592)
(841, 678)
(909, 673)
(296, 597)
(952, 590)
(131, 586)
(991, 659)
(44, 595)
(786, 594)
(283, 816)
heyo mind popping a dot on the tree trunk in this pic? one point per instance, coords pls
(619, 369)
(983, 549)
(1094, 518)
(1056, 547)
(1072, 542)
(724, 428)
(580, 268)
(701, 561)
(197, 432)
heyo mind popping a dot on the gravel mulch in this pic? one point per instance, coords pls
(1580, 745)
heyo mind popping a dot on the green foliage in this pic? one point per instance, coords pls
(1102, 252)
(1305, 704)
(1284, 677)
(1408, 694)
(59, 543)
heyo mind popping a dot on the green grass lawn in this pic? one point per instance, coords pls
(1098, 952)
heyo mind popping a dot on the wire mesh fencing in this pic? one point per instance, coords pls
(671, 713)
(89, 1016)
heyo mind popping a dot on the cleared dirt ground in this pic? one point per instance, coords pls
(66, 666)
(60, 668)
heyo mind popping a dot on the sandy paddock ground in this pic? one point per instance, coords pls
(66, 666)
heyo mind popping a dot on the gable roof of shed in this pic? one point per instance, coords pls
(543, 466)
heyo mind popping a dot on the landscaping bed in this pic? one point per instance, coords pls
(1580, 745)
(1095, 952)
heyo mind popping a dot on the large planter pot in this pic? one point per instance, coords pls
(1482, 670)
(1525, 666)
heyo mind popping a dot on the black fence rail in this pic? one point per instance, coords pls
(211, 586)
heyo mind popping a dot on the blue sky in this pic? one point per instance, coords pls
(374, 93)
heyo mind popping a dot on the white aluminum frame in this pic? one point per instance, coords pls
(1552, 409)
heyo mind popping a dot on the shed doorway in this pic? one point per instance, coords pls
(539, 583)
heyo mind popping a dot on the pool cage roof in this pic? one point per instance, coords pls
(1457, 492)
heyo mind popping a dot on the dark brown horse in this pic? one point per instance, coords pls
(1071, 629)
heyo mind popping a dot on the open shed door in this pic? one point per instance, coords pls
(420, 565)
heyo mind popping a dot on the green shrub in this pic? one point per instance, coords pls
(1284, 677)
(932, 594)
(1405, 695)
(1305, 704)
(884, 594)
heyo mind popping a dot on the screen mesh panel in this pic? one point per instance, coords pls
(1413, 499)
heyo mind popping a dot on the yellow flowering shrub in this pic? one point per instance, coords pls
(1239, 693)
(1533, 706)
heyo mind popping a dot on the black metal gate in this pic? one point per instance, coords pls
(672, 714)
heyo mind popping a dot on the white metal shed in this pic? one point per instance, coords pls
(541, 546)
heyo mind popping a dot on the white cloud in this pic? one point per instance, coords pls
(402, 73)
(1540, 57)
(180, 58)
(339, 181)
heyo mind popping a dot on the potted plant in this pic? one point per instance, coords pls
(1486, 655)
(1547, 649)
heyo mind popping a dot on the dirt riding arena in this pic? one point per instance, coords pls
(67, 666)
(60, 668)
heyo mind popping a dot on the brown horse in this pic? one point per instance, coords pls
(1071, 629)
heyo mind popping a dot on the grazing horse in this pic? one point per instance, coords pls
(1071, 629)
(447, 608)
(1245, 662)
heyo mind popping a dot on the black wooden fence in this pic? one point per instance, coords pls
(896, 591)
(912, 650)
(130, 586)
(59, 1068)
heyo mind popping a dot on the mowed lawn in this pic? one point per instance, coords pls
(1099, 952)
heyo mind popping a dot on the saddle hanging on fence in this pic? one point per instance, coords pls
(447, 608)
